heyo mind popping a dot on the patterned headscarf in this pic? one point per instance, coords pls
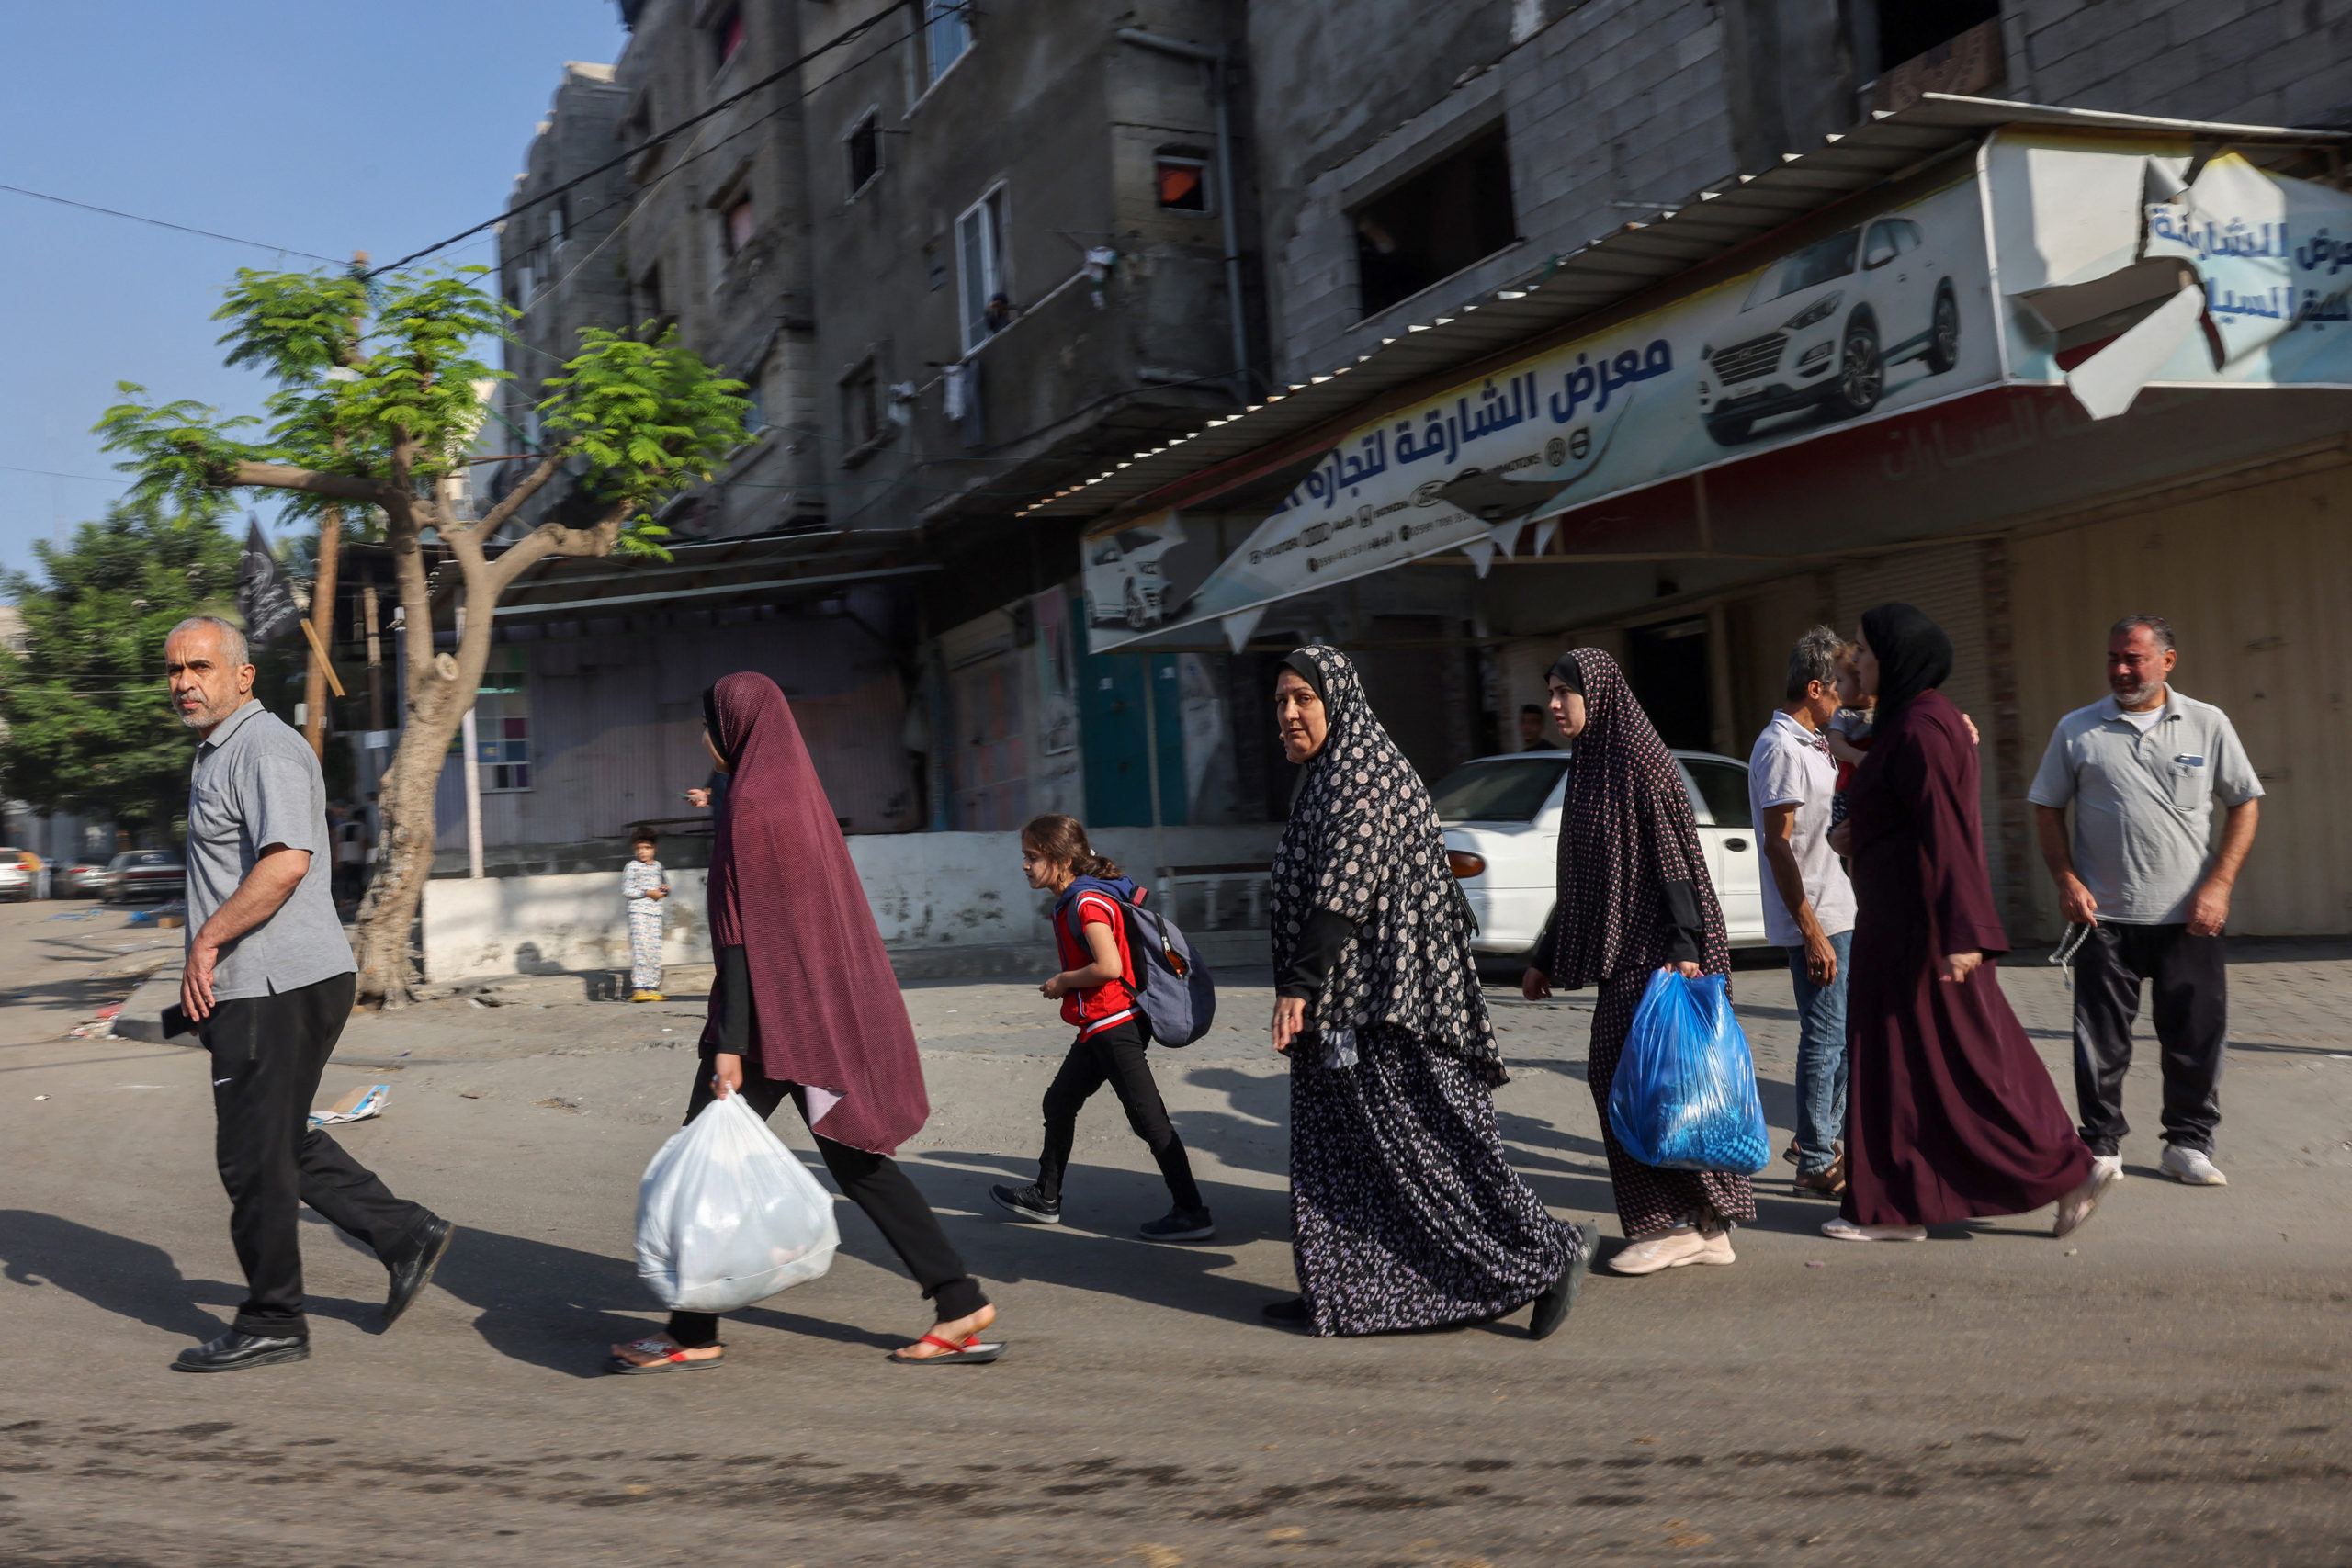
(1364, 841)
(1627, 832)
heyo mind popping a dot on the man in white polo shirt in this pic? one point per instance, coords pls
(1808, 903)
(2142, 767)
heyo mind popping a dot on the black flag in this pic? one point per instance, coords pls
(263, 598)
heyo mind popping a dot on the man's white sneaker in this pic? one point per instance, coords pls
(2108, 1168)
(1847, 1230)
(1667, 1249)
(2189, 1167)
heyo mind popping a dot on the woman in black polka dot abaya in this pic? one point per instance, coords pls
(1634, 898)
(1406, 1213)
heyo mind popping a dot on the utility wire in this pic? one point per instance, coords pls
(53, 474)
(160, 223)
(848, 35)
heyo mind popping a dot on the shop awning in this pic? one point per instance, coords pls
(1627, 266)
(708, 574)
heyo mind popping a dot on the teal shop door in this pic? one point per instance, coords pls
(1111, 728)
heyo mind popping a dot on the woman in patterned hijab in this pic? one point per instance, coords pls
(1406, 1213)
(1634, 896)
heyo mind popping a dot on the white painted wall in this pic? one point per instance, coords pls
(930, 891)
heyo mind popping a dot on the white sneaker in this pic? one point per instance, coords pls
(1847, 1230)
(2076, 1208)
(1667, 1249)
(2191, 1168)
(2109, 1168)
(1715, 1247)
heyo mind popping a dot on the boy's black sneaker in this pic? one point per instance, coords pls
(1181, 1224)
(1028, 1202)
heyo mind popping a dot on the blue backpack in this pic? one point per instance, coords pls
(1174, 990)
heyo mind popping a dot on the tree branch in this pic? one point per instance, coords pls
(553, 539)
(495, 518)
(278, 475)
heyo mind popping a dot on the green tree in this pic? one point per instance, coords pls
(89, 720)
(373, 406)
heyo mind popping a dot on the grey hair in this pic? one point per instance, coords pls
(2158, 627)
(1815, 658)
(233, 637)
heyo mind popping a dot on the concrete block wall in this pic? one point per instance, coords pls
(2250, 62)
(934, 896)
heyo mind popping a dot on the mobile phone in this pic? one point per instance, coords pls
(177, 1023)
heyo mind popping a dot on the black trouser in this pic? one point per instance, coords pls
(872, 1183)
(268, 1054)
(2192, 1010)
(1115, 1057)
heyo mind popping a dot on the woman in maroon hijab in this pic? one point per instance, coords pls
(1951, 1115)
(805, 1006)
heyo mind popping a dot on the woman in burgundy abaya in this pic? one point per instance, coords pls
(1951, 1114)
(806, 1007)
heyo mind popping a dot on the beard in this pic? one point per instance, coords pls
(2132, 696)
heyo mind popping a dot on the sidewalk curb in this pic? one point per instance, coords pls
(142, 1017)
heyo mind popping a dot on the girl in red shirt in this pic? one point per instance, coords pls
(1097, 996)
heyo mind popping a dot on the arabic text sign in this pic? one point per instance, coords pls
(1888, 314)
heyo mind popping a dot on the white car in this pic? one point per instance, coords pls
(1847, 307)
(1502, 839)
(1125, 581)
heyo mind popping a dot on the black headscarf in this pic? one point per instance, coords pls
(1364, 843)
(1913, 655)
(1628, 833)
(1563, 670)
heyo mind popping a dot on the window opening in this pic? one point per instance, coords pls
(1908, 28)
(1182, 182)
(864, 147)
(559, 214)
(946, 34)
(861, 406)
(980, 246)
(1449, 216)
(934, 265)
(738, 225)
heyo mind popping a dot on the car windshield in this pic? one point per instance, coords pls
(1817, 263)
(1722, 791)
(1510, 790)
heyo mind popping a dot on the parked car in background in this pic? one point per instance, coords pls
(18, 878)
(144, 874)
(84, 877)
(1502, 838)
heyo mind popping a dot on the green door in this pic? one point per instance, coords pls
(1111, 728)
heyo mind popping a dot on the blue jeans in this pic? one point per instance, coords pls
(1821, 1058)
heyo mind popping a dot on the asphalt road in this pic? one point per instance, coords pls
(2169, 1386)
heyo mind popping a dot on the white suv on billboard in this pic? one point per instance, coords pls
(1850, 306)
(1124, 582)
(1501, 817)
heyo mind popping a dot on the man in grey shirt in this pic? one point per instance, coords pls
(268, 984)
(2141, 768)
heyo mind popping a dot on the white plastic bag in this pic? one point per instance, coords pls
(727, 1215)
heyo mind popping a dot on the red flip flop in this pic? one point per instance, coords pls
(971, 1353)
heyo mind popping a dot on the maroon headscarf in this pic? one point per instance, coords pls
(1626, 830)
(826, 1011)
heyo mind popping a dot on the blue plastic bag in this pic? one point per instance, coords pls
(1684, 1096)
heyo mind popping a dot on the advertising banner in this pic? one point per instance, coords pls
(1888, 314)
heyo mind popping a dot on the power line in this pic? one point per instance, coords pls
(160, 223)
(53, 474)
(848, 35)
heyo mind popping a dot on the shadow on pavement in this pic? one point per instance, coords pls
(131, 1278)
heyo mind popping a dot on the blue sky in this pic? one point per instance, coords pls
(325, 126)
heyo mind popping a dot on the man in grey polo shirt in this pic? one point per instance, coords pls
(268, 984)
(2141, 767)
(1808, 902)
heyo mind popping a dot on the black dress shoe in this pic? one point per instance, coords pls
(1552, 1306)
(1290, 1310)
(236, 1350)
(411, 1273)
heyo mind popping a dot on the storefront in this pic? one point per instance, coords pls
(2029, 369)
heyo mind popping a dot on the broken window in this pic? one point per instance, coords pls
(979, 254)
(739, 222)
(1455, 212)
(652, 307)
(934, 265)
(946, 33)
(864, 148)
(727, 36)
(1181, 181)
